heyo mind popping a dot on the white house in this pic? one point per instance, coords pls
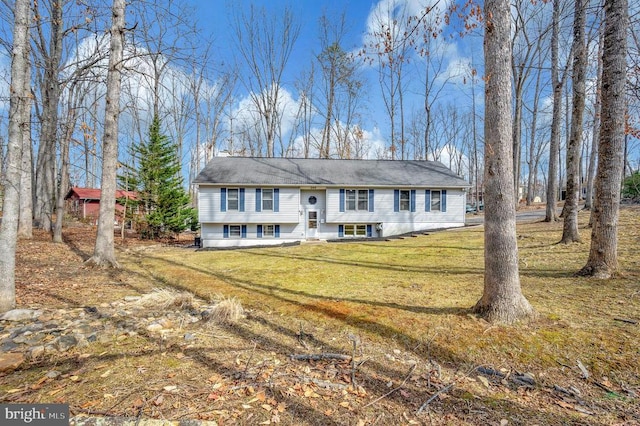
(245, 201)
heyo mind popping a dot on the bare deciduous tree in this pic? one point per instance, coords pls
(389, 47)
(557, 83)
(48, 42)
(502, 299)
(603, 256)
(25, 220)
(104, 251)
(17, 122)
(264, 43)
(570, 227)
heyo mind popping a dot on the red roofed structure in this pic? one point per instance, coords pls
(84, 203)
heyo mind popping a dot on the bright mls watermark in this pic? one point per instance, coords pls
(34, 414)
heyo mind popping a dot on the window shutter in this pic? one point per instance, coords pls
(371, 200)
(244, 231)
(369, 231)
(276, 231)
(259, 231)
(412, 201)
(443, 200)
(340, 230)
(258, 199)
(341, 200)
(241, 207)
(427, 200)
(396, 200)
(276, 200)
(223, 199)
(225, 231)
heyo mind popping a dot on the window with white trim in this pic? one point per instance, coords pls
(351, 230)
(267, 200)
(357, 199)
(436, 205)
(233, 199)
(268, 231)
(235, 231)
(405, 200)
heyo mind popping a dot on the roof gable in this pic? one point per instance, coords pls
(94, 193)
(327, 172)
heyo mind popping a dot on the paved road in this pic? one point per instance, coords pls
(521, 216)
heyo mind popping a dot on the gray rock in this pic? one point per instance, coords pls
(7, 346)
(35, 352)
(66, 342)
(53, 374)
(154, 327)
(20, 315)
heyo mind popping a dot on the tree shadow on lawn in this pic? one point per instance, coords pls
(376, 374)
(270, 291)
(75, 248)
(370, 264)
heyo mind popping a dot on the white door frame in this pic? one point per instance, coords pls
(311, 223)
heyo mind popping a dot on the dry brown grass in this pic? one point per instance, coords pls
(166, 299)
(227, 311)
(406, 302)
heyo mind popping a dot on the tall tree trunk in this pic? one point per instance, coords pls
(603, 256)
(502, 300)
(46, 161)
(570, 226)
(17, 123)
(532, 163)
(554, 146)
(596, 128)
(64, 183)
(517, 137)
(104, 251)
(25, 220)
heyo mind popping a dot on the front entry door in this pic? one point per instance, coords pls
(312, 223)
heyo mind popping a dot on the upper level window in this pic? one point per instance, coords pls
(357, 199)
(435, 201)
(267, 199)
(405, 200)
(233, 199)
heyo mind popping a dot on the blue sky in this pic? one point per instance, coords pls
(215, 18)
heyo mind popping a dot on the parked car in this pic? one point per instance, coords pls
(471, 208)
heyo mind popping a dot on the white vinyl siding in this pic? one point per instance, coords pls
(209, 198)
(295, 206)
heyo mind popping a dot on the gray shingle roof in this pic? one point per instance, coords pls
(327, 172)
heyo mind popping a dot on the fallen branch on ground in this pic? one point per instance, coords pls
(434, 396)
(319, 357)
(628, 321)
(413, 367)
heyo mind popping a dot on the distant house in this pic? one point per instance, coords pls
(246, 201)
(84, 203)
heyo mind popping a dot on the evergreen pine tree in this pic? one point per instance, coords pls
(162, 201)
